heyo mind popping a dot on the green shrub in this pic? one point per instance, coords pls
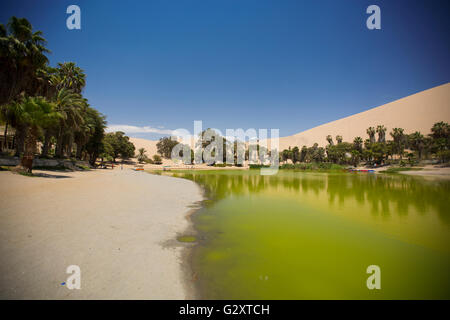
(258, 166)
(157, 159)
(318, 166)
(398, 169)
(443, 155)
(220, 165)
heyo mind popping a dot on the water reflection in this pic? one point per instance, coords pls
(312, 235)
(385, 194)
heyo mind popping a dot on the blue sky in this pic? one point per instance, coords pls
(290, 65)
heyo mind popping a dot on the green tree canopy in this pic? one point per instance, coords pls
(165, 146)
(121, 145)
(35, 114)
(22, 54)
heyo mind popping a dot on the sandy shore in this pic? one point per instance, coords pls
(117, 225)
(430, 171)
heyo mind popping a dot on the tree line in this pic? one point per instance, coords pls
(376, 149)
(402, 148)
(45, 104)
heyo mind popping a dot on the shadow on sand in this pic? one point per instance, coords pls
(47, 175)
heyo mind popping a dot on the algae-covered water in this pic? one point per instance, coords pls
(300, 235)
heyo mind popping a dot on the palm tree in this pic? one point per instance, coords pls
(285, 155)
(66, 83)
(35, 113)
(440, 135)
(339, 139)
(399, 141)
(440, 130)
(295, 154)
(97, 124)
(141, 156)
(70, 106)
(330, 140)
(381, 130)
(303, 153)
(46, 81)
(371, 132)
(11, 113)
(70, 76)
(25, 73)
(357, 143)
(84, 130)
(417, 142)
(356, 157)
(22, 53)
(6, 118)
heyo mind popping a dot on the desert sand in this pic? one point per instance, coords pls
(417, 112)
(118, 226)
(148, 145)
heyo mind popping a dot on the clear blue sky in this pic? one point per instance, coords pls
(244, 63)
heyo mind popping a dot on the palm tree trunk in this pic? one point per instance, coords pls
(79, 150)
(59, 144)
(29, 150)
(69, 146)
(93, 158)
(20, 141)
(46, 145)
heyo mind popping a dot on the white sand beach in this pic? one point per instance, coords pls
(118, 226)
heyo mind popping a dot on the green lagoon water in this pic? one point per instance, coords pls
(299, 235)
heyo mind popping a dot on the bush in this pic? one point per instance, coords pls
(258, 166)
(157, 159)
(444, 155)
(398, 169)
(220, 165)
(318, 166)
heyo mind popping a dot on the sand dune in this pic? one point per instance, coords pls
(148, 145)
(417, 112)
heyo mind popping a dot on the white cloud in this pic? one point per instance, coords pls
(135, 129)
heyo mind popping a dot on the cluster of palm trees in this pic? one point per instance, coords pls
(42, 103)
(376, 149)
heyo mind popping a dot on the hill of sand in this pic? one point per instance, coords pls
(148, 145)
(417, 112)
